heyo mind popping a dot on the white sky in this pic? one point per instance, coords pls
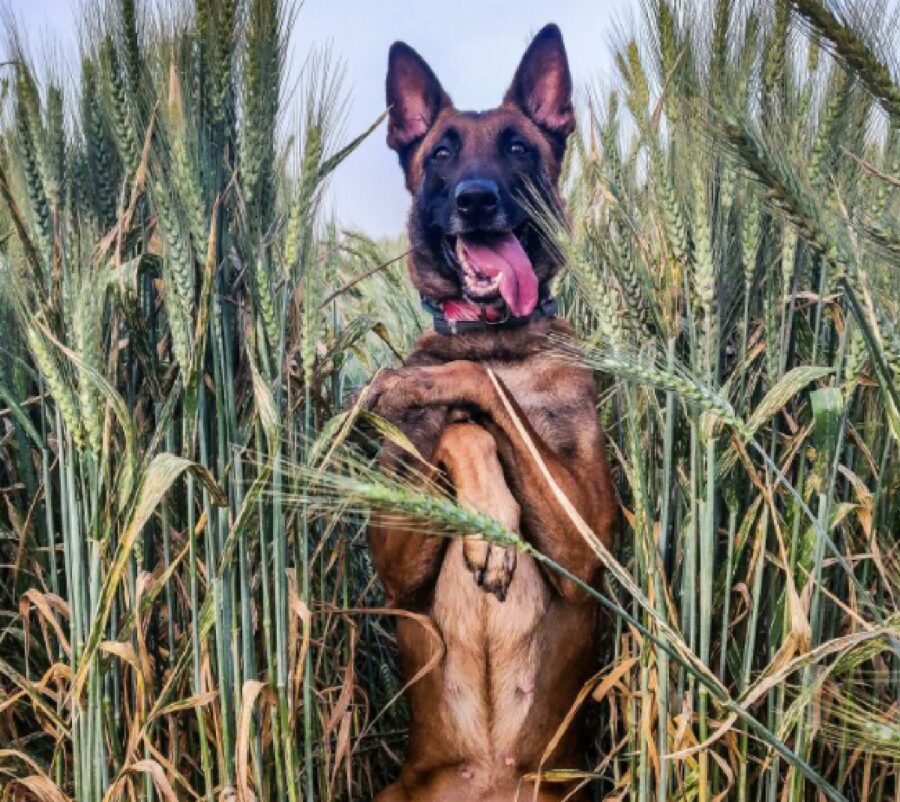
(473, 46)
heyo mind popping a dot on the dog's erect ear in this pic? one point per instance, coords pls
(542, 86)
(415, 97)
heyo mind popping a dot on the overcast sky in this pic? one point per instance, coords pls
(473, 46)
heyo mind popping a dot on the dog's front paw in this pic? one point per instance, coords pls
(499, 572)
(392, 392)
(385, 395)
(492, 566)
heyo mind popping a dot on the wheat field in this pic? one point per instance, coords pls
(187, 607)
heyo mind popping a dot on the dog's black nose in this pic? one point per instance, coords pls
(477, 199)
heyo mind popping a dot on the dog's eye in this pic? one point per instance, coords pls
(517, 148)
(441, 154)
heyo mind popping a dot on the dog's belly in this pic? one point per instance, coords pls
(491, 662)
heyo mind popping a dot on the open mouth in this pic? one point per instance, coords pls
(494, 265)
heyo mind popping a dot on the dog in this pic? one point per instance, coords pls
(482, 401)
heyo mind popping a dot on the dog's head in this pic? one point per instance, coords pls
(471, 175)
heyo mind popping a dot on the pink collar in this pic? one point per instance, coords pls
(457, 315)
(456, 310)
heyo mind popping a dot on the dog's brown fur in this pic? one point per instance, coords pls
(508, 671)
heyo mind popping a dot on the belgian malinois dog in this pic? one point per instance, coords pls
(485, 402)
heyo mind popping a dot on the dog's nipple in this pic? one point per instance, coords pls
(467, 773)
(526, 686)
(509, 760)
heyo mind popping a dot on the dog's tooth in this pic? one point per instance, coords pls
(461, 252)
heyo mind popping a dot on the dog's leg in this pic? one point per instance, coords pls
(406, 560)
(468, 454)
(583, 476)
(393, 793)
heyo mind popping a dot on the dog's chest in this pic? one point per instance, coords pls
(541, 397)
(552, 408)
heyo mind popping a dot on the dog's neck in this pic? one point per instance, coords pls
(491, 344)
(458, 316)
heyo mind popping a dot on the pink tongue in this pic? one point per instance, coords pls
(502, 254)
